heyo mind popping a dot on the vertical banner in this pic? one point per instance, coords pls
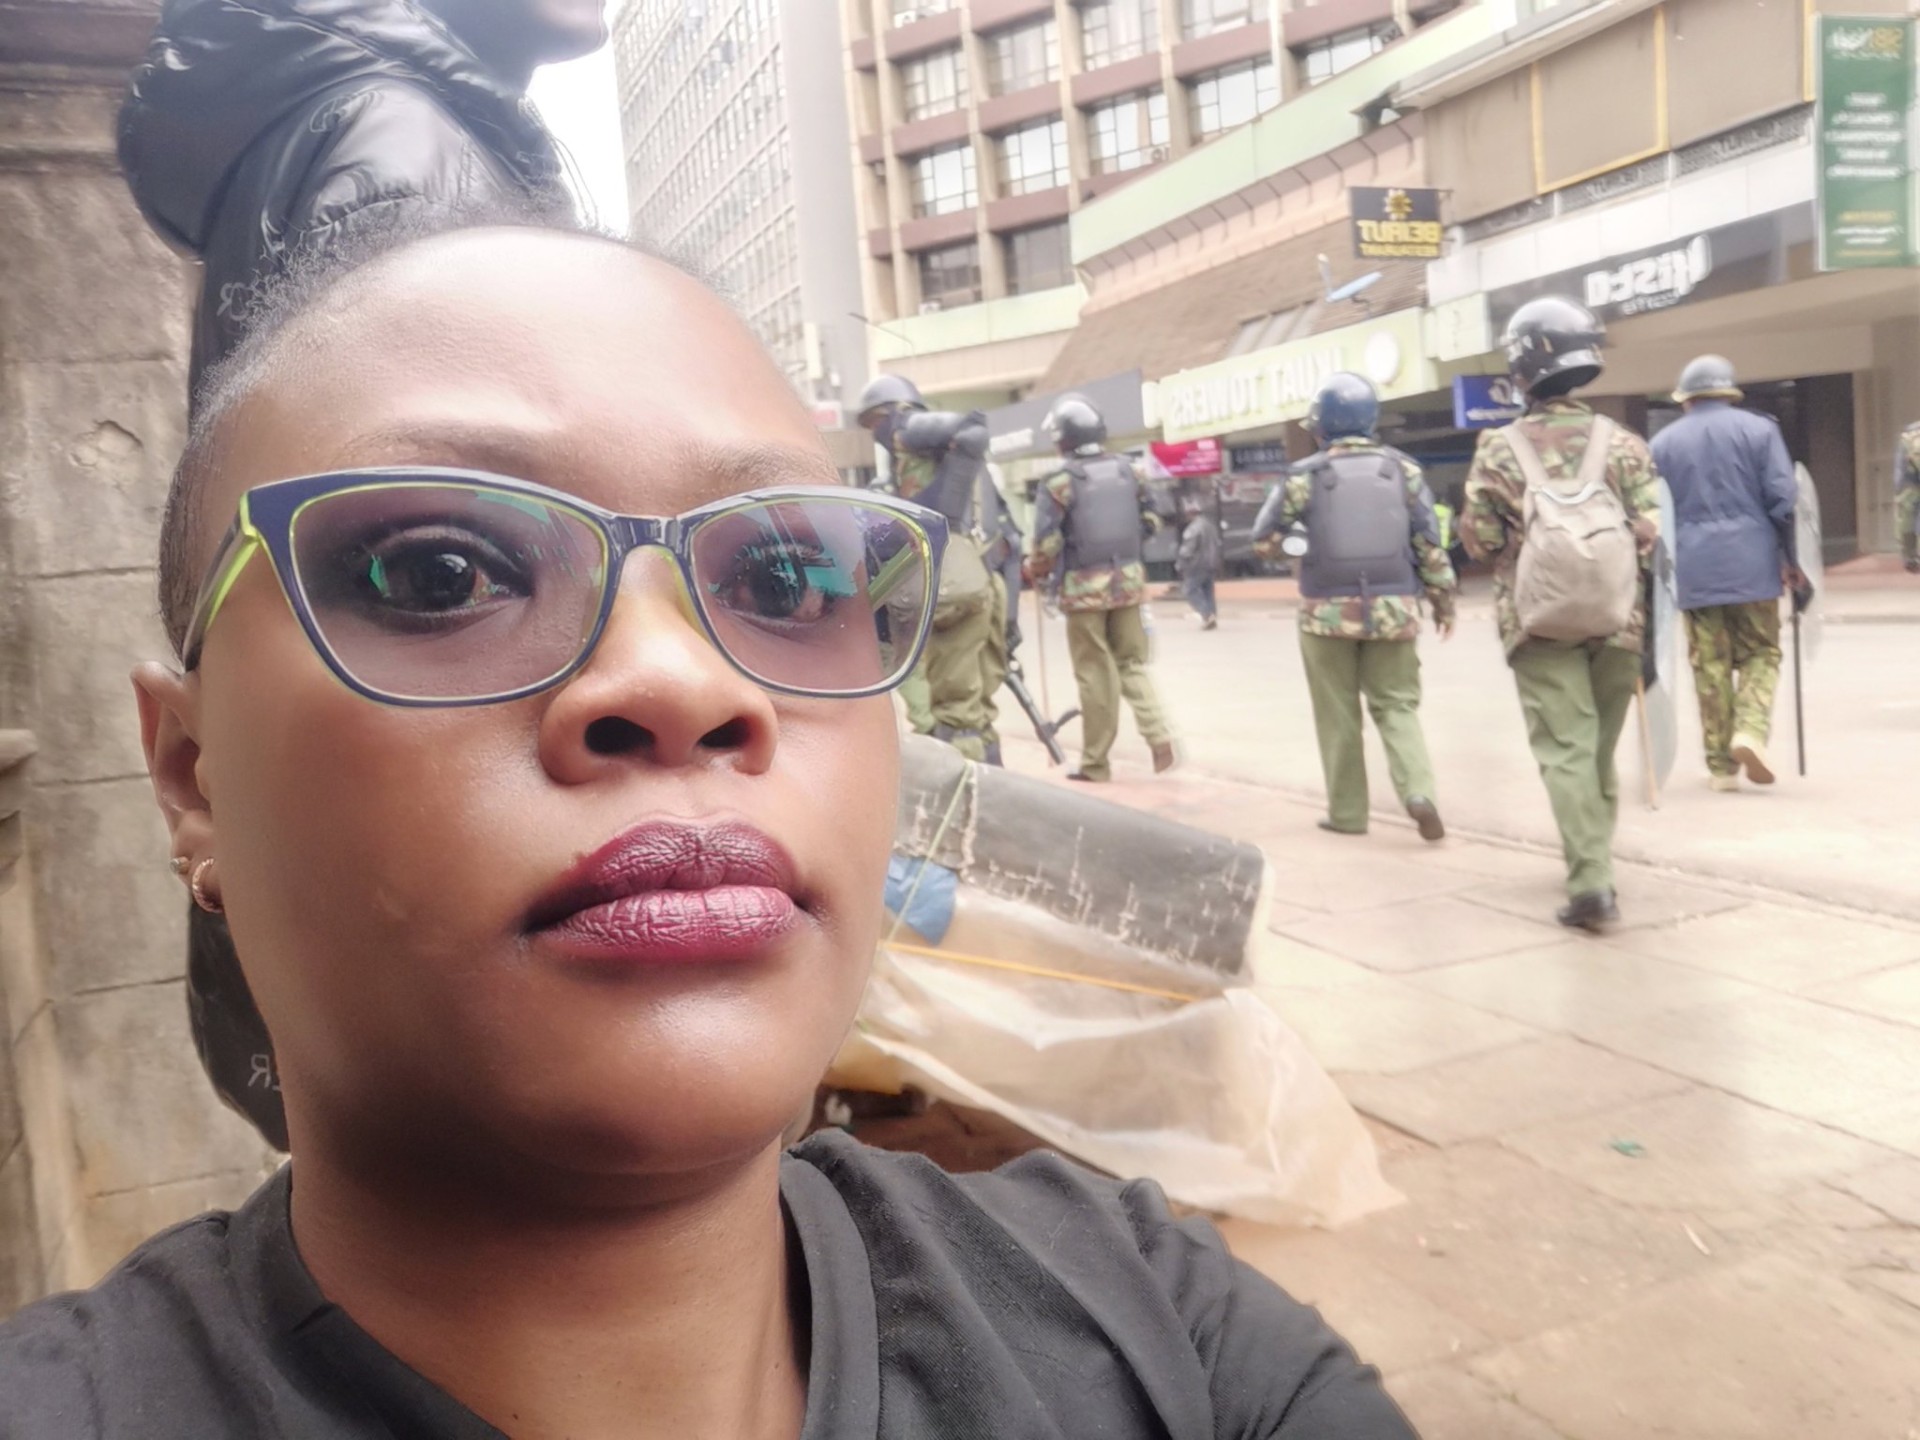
(1865, 150)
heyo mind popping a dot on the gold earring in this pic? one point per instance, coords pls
(196, 882)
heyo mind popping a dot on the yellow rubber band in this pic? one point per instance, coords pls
(930, 953)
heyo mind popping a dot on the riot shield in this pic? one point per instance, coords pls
(1807, 547)
(1663, 646)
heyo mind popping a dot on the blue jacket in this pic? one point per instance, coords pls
(1733, 492)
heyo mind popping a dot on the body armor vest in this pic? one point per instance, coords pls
(1359, 526)
(1103, 525)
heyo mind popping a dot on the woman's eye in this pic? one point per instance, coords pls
(435, 575)
(783, 584)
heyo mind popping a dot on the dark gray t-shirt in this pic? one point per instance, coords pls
(1038, 1302)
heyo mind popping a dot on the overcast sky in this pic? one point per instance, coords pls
(581, 107)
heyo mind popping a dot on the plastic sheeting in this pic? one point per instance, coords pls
(1195, 1082)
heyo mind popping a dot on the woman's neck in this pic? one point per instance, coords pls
(666, 1319)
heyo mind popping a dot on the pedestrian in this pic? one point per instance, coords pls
(1733, 503)
(1090, 521)
(1198, 563)
(551, 964)
(252, 132)
(938, 458)
(1374, 549)
(1564, 502)
(1906, 496)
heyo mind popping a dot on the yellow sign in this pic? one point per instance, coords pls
(1394, 223)
(1252, 392)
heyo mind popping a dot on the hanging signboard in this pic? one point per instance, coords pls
(1270, 458)
(1866, 183)
(1188, 457)
(1394, 223)
(1481, 402)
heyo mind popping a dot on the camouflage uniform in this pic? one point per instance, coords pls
(1576, 694)
(1356, 645)
(946, 695)
(1106, 635)
(1735, 650)
(1906, 494)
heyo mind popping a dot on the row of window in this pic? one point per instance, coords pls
(665, 193)
(1036, 259)
(765, 179)
(676, 53)
(766, 266)
(677, 105)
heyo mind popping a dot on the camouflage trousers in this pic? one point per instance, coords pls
(1735, 650)
(1387, 673)
(1575, 698)
(966, 714)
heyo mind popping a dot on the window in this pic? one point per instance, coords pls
(1233, 96)
(943, 181)
(905, 12)
(1034, 158)
(950, 275)
(1039, 259)
(1207, 17)
(935, 84)
(1022, 58)
(1127, 133)
(1326, 58)
(1116, 30)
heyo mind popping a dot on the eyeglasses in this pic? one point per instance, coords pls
(436, 587)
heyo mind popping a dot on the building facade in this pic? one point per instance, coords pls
(983, 126)
(736, 140)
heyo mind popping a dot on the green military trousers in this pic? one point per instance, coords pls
(1735, 651)
(956, 690)
(917, 693)
(1576, 697)
(1109, 650)
(1387, 673)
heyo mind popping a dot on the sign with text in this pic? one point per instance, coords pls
(1270, 458)
(1394, 223)
(1864, 143)
(1188, 457)
(1481, 402)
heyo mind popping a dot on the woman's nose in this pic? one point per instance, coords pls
(656, 691)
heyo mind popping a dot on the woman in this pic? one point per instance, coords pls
(557, 922)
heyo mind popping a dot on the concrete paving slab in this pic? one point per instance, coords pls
(1447, 1403)
(1645, 899)
(1421, 934)
(1288, 964)
(1758, 1351)
(1890, 994)
(1781, 947)
(1795, 1055)
(1524, 1085)
(1341, 884)
(1388, 1324)
(1580, 986)
(1701, 1150)
(1512, 1248)
(1893, 1189)
(1493, 862)
(1391, 1027)
(1895, 1125)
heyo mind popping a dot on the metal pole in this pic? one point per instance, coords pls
(1799, 698)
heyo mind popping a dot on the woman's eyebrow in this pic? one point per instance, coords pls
(758, 465)
(503, 449)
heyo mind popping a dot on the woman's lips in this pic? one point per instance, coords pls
(672, 892)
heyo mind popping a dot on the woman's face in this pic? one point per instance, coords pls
(385, 870)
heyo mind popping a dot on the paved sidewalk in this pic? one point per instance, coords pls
(1665, 1184)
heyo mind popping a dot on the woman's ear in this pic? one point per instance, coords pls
(169, 731)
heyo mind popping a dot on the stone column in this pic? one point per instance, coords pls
(120, 1133)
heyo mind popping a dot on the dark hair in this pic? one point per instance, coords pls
(297, 288)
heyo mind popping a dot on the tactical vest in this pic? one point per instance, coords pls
(1103, 524)
(1358, 528)
(957, 446)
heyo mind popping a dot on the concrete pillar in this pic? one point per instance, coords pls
(120, 1133)
(1886, 401)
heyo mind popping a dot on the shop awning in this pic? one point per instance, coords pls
(1198, 319)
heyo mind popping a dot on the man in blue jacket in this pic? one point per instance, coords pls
(1733, 494)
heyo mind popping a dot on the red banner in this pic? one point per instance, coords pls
(1188, 457)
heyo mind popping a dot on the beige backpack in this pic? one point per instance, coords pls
(1579, 569)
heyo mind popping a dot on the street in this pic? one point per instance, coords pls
(1665, 1183)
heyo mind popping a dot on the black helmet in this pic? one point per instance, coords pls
(1346, 407)
(1707, 377)
(884, 392)
(1554, 339)
(1073, 422)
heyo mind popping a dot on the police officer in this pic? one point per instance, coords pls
(1575, 693)
(1906, 496)
(1373, 549)
(938, 458)
(1733, 502)
(1090, 520)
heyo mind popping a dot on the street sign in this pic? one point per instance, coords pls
(1395, 223)
(1270, 458)
(1865, 149)
(1481, 402)
(1188, 457)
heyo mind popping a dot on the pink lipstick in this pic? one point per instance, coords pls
(670, 892)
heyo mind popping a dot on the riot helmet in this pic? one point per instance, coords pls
(888, 392)
(1553, 346)
(1707, 377)
(1347, 407)
(1073, 424)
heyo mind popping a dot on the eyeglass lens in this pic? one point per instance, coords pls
(446, 592)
